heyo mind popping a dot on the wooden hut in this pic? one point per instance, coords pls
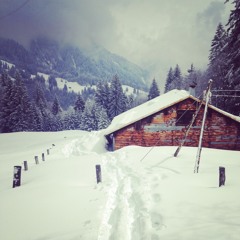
(164, 120)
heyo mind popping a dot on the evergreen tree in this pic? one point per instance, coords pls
(25, 114)
(177, 78)
(89, 119)
(79, 104)
(41, 107)
(101, 117)
(17, 113)
(117, 99)
(52, 83)
(218, 64)
(102, 95)
(56, 108)
(6, 102)
(169, 81)
(72, 121)
(153, 91)
(233, 49)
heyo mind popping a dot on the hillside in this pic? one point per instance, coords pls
(145, 193)
(72, 63)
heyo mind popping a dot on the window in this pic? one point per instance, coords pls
(184, 117)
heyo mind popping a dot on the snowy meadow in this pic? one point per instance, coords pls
(145, 193)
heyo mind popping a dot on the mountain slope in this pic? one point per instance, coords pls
(72, 63)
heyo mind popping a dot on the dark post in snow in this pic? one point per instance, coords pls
(98, 173)
(43, 157)
(17, 176)
(25, 165)
(48, 152)
(36, 159)
(222, 177)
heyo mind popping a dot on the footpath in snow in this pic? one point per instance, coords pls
(158, 197)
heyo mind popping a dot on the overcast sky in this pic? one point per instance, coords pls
(155, 34)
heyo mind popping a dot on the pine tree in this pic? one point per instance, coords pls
(52, 83)
(233, 44)
(25, 114)
(101, 117)
(218, 64)
(56, 108)
(153, 91)
(79, 104)
(102, 95)
(169, 81)
(117, 99)
(17, 113)
(177, 78)
(89, 119)
(233, 63)
(6, 104)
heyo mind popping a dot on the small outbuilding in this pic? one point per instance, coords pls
(164, 120)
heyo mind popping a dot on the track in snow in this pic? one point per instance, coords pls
(131, 210)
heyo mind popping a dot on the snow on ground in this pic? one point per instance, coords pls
(71, 86)
(146, 193)
(10, 65)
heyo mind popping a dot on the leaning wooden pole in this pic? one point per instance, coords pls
(196, 168)
(188, 130)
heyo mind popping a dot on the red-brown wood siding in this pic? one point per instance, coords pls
(161, 129)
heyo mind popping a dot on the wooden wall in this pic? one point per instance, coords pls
(164, 129)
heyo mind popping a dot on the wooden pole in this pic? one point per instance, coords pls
(25, 165)
(98, 173)
(222, 176)
(36, 159)
(48, 152)
(17, 176)
(43, 157)
(202, 128)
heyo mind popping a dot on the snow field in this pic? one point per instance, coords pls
(150, 198)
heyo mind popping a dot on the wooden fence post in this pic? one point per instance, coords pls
(222, 176)
(98, 173)
(25, 165)
(43, 158)
(17, 176)
(36, 159)
(48, 152)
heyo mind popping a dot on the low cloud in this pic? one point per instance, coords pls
(156, 34)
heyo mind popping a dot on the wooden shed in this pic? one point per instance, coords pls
(163, 121)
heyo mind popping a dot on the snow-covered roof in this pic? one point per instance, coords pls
(153, 106)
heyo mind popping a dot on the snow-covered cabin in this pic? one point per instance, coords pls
(163, 121)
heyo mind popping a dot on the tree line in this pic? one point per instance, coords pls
(34, 105)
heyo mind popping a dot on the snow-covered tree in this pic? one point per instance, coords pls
(102, 94)
(16, 111)
(177, 81)
(56, 108)
(233, 62)
(233, 44)
(169, 81)
(218, 66)
(79, 104)
(117, 99)
(101, 117)
(153, 91)
(89, 119)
